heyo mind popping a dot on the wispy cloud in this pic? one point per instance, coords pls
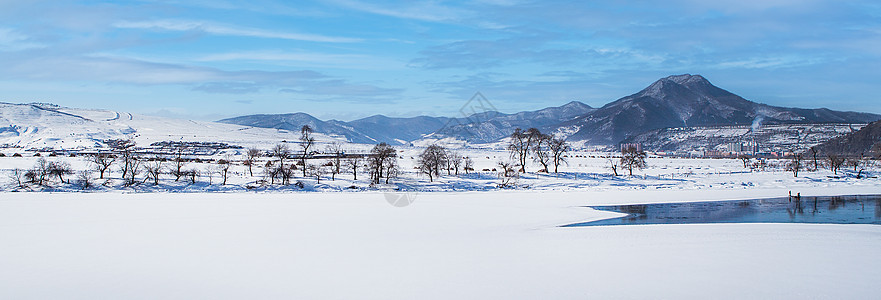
(220, 29)
(417, 10)
(203, 79)
(12, 40)
(308, 58)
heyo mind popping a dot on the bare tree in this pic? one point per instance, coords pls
(179, 162)
(269, 172)
(519, 147)
(39, 173)
(251, 157)
(469, 165)
(84, 179)
(382, 159)
(835, 162)
(281, 152)
(455, 160)
(558, 147)
(431, 159)
(392, 170)
(507, 174)
(794, 165)
(315, 170)
(814, 152)
(306, 142)
(102, 163)
(506, 167)
(541, 149)
(131, 163)
(613, 164)
(631, 158)
(854, 162)
(192, 175)
(745, 159)
(332, 167)
(60, 169)
(153, 168)
(335, 149)
(17, 177)
(283, 172)
(353, 163)
(223, 166)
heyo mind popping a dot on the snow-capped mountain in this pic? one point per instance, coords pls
(691, 100)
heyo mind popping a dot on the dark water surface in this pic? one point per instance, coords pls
(864, 209)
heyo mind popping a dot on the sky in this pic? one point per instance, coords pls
(347, 59)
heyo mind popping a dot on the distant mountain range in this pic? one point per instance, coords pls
(675, 101)
(671, 102)
(476, 128)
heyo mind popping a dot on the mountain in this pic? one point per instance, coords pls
(370, 130)
(477, 128)
(294, 122)
(492, 126)
(866, 141)
(397, 130)
(690, 100)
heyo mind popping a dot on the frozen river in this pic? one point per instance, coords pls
(853, 209)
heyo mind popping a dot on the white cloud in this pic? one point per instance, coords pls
(313, 59)
(417, 10)
(218, 29)
(11, 40)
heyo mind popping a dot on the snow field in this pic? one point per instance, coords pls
(502, 244)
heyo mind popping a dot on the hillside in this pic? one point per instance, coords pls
(866, 141)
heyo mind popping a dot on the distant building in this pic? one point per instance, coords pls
(636, 146)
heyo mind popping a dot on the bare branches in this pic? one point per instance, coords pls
(251, 157)
(306, 142)
(558, 147)
(631, 158)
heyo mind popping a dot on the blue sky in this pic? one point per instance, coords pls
(347, 59)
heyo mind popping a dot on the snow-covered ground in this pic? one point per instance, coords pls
(585, 171)
(463, 237)
(474, 245)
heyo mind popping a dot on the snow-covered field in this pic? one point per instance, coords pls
(463, 237)
(474, 245)
(585, 171)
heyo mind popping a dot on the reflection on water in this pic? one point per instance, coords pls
(834, 210)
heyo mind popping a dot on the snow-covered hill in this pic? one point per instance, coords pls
(40, 126)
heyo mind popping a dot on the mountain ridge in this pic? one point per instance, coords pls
(691, 100)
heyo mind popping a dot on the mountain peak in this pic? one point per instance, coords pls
(686, 79)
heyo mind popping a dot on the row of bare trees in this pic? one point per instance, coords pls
(544, 149)
(436, 158)
(811, 161)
